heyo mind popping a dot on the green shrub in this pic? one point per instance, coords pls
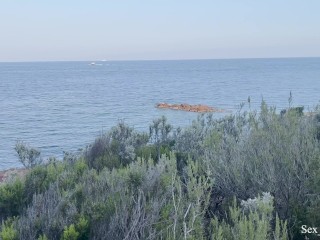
(248, 153)
(40, 177)
(159, 134)
(42, 237)
(80, 166)
(8, 231)
(11, 198)
(28, 156)
(70, 233)
(115, 148)
(83, 228)
(252, 222)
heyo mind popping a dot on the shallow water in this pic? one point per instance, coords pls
(63, 106)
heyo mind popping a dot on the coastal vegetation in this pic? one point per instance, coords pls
(250, 175)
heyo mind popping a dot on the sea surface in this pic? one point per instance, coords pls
(63, 106)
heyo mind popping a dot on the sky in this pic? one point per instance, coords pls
(76, 30)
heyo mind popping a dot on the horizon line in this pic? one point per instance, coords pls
(145, 60)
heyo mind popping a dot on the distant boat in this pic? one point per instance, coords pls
(95, 64)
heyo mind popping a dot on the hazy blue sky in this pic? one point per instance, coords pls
(33, 30)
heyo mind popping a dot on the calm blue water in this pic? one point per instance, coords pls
(63, 106)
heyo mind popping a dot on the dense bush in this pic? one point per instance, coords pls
(250, 153)
(8, 231)
(246, 176)
(11, 199)
(116, 148)
(252, 222)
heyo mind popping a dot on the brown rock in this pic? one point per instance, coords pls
(187, 107)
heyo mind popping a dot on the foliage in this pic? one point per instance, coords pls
(250, 153)
(8, 231)
(39, 178)
(42, 237)
(252, 222)
(11, 198)
(70, 233)
(83, 228)
(28, 156)
(116, 148)
(245, 176)
(159, 132)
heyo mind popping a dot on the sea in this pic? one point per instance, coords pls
(60, 107)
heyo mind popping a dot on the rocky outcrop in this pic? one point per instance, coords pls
(187, 107)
